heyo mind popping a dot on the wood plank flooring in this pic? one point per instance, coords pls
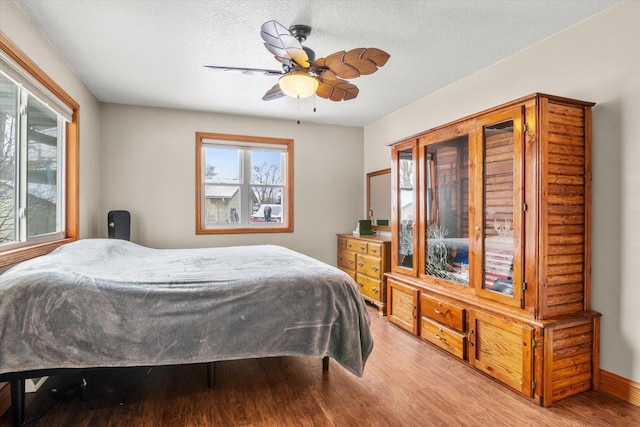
(407, 382)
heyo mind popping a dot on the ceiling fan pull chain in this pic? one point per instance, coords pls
(314, 102)
(298, 98)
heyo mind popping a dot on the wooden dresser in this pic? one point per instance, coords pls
(366, 259)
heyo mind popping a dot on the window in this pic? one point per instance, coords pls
(38, 159)
(244, 184)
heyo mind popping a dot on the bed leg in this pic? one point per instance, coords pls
(211, 374)
(325, 364)
(17, 402)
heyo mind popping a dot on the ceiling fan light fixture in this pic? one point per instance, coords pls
(298, 84)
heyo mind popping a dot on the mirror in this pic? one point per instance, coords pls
(379, 197)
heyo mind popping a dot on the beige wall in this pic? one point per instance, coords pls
(148, 168)
(597, 60)
(20, 30)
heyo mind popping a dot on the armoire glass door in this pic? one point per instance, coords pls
(406, 208)
(446, 205)
(500, 179)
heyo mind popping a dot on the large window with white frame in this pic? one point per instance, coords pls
(38, 159)
(31, 167)
(244, 184)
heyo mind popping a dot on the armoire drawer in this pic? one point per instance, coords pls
(448, 314)
(445, 338)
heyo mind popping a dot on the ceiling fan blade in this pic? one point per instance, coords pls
(279, 41)
(354, 63)
(247, 70)
(274, 93)
(337, 90)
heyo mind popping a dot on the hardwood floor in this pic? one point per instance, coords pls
(406, 382)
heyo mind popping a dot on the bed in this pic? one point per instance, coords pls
(99, 303)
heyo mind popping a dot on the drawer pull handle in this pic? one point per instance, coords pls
(361, 264)
(374, 290)
(349, 245)
(340, 258)
(362, 248)
(361, 284)
(415, 310)
(374, 250)
(375, 268)
(442, 313)
(443, 339)
(350, 261)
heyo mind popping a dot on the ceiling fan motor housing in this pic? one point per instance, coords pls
(300, 31)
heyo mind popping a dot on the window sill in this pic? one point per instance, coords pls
(15, 256)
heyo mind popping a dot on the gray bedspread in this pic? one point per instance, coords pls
(106, 303)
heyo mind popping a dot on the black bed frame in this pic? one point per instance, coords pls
(17, 382)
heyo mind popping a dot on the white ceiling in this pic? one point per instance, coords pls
(152, 53)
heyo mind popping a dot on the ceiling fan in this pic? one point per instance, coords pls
(302, 74)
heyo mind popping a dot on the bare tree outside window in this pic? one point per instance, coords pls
(211, 171)
(7, 177)
(267, 174)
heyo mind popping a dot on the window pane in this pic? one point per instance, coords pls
(222, 165)
(8, 124)
(222, 204)
(266, 167)
(42, 169)
(447, 208)
(269, 207)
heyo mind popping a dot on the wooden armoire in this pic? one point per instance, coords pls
(491, 244)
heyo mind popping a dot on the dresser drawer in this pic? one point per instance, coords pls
(442, 312)
(445, 338)
(370, 287)
(342, 243)
(371, 266)
(347, 260)
(374, 249)
(359, 246)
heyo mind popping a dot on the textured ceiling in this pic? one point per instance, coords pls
(152, 53)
